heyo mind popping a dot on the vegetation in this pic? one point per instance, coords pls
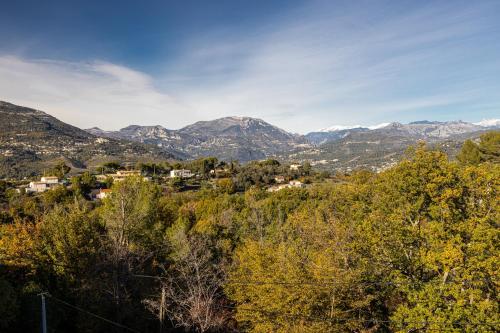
(414, 248)
(488, 149)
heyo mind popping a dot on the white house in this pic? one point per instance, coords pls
(122, 174)
(291, 184)
(103, 193)
(50, 180)
(296, 183)
(181, 173)
(279, 179)
(43, 185)
(295, 167)
(37, 187)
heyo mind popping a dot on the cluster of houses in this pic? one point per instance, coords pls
(47, 182)
(181, 173)
(43, 185)
(290, 184)
(120, 175)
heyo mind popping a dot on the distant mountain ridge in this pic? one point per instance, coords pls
(229, 138)
(29, 136)
(382, 147)
(338, 147)
(424, 129)
(31, 139)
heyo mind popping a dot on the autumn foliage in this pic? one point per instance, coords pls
(412, 249)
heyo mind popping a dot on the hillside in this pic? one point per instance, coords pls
(30, 140)
(229, 138)
(337, 148)
(346, 245)
(379, 148)
(423, 130)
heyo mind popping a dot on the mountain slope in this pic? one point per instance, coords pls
(158, 136)
(382, 147)
(424, 130)
(322, 137)
(236, 138)
(241, 138)
(29, 139)
(429, 129)
(28, 135)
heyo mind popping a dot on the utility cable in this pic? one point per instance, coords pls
(92, 314)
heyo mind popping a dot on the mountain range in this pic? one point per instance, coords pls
(33, 137)
(422, 130)
(338, 147)
(32, 140)
(229, 138)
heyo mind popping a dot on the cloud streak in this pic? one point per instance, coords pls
(87, 94)
(355, 67)
(311, 67)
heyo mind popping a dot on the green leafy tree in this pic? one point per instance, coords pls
(69, 240)
(83, 183)
(490, 146)
(226, 185)
(60, 170)
(110, 167)
(470, 153)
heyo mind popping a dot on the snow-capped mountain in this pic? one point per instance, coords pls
(488, 123)
(424, 129)
(377, 126)
(245, 138)
(430, 129)
(336, 128)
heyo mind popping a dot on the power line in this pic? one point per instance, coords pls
(307, 283)
(330, 283)
(321, 283)
(92, 314)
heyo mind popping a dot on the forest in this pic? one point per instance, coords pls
(414, 248)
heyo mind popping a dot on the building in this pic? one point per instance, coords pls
(291, 184)
(122, 174)
(181, 173)
(295, 167)
(296, 183)
(277, 188)
(50, 180)
(37, 187)
(43, 185)
(279, 179)
(128, 172)
(220, 172)
(103, 193)
(101, 178)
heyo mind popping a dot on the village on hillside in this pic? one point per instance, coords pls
(232, 177)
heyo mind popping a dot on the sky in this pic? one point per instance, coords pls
(299, 65)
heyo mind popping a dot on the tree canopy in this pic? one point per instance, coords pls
(414, 248)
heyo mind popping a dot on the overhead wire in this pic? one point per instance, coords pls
(92, 314)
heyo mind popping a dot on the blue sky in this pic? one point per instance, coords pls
(301, 65)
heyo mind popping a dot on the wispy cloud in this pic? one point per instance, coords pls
(347, 67)
(88, 94)
(314, 66)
